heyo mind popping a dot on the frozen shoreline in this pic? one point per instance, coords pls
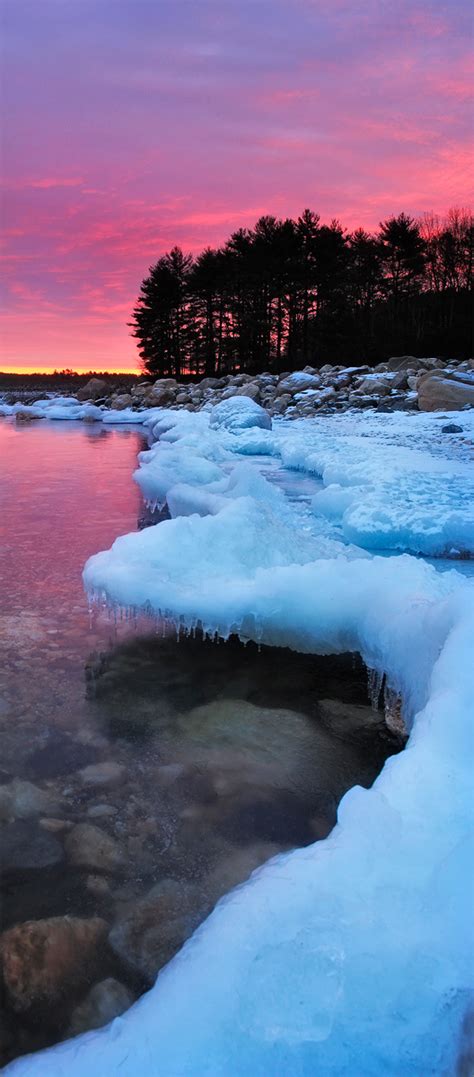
(352, 955)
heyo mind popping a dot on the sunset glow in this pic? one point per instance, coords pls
(129, 128)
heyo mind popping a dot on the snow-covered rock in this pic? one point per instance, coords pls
(239, 413)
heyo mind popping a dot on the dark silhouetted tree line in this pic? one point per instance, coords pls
(287, 293)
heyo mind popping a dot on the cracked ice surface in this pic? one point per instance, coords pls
(353, 956)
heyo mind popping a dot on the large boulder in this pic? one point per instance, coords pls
(44, 959)
(94, 389)
(410, 362)
(439, 391)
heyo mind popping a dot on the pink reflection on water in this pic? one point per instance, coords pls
(66, 491)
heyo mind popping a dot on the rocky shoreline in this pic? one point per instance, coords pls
(403, 383)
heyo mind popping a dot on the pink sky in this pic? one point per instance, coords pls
(130, 126)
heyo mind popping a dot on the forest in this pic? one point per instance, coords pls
(291, 292)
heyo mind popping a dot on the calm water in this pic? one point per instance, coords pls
(216, 756)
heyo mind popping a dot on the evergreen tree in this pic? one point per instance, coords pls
(291, 292)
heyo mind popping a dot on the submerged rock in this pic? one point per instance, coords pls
(237, 867)
(101, 775)
(21, 800)
(24, 847)
(89, 847)
(61, 754)
(106, 1000)
(357, 723)
(44, 960)
(152, 931)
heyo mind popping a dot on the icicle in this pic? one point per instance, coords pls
(393, 711)
(374, 686)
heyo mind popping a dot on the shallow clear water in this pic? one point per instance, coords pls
(222, 755)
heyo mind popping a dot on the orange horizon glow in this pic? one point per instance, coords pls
(76, 370)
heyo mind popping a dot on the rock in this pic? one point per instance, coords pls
(141, 389)
(102, 775)
(375, 386)
(122, 401)
(97, 885)
(168, 774)
(165, 383)
(55, 826)
(21, 800)
(239, 413)
(24, 848)
(42, 960)
(451, 428)
(409, 362)
(297, 383)
(93, 390)
(60, 755)
(89, 847)
(159, 398)
(353, 722)
(251, 390)
(237, 867)
(445, 392)
(212, 383)
(280, 405)
(105, 1001)
(101, 811)
(26, 417)
(152, 931)
(400, 381)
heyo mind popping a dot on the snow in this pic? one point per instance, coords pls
(392, 481)
(68, 408)
(300, 380)
(351, 956)
(238, 413)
